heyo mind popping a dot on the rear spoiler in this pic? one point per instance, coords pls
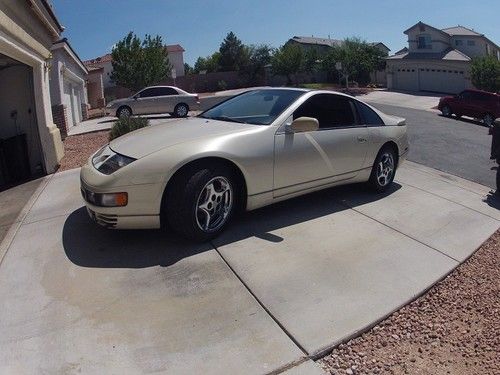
(401, 121)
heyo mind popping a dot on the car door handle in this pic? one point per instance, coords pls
(361, 140)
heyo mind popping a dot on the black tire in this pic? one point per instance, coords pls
(181, 203)
(376, 181)
(488, 119)
(446, 111)
(181, 110)
(124, 111)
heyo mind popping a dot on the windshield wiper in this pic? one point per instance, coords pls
(224, 118)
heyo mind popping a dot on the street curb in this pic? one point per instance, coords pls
(11, 233)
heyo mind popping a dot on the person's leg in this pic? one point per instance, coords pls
(498, 177)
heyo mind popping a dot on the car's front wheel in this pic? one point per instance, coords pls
(446, 111)
(201, 201)
(124, 111)
(383, 170)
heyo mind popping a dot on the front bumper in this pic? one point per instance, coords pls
(141, 212)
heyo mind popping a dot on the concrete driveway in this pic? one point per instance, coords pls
(283, 285)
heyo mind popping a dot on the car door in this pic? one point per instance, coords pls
(336, 151)
(168, 99)
(143, 101)
(467, 105)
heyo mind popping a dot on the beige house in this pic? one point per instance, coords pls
(437, 60)
(68, 87)
(30, 142)
(175, 56)
(323, 45)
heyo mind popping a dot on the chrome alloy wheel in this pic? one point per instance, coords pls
(385, 168)
(214, 204)
(181, 110)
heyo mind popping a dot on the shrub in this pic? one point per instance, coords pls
(485, 73)
(222, 85)
(126, 125)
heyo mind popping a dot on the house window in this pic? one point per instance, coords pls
(424, 41)
(459, 42)
(471, 42)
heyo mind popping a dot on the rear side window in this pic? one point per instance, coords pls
(368, 115)
(331, 111)
(164, 91)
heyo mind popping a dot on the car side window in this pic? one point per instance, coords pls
(167, 91)
(368, 115)
(331, 111)
(146, 93)
(465, 95)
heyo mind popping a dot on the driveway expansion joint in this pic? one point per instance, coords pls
(14, 227)
(290, 336)
(345, 204)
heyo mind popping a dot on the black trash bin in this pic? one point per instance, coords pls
(14, 160)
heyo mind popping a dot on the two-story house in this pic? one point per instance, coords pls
(175, 57)
(437, 60)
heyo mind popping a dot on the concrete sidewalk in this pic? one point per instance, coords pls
(415, 100)
(283, 285)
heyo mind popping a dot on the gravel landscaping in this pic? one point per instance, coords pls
(78, 148)
(452, 329)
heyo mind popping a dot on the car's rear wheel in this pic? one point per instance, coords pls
(383, 170)
(181, 110)
(201, 201)
(124, 112)
(488, 119)
(446, 111)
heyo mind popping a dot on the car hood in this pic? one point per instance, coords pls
(145, 141)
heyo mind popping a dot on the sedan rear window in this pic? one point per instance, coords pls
(368, 115)
(259, 107)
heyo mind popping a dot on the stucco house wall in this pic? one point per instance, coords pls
(27, 31)
(67, 87)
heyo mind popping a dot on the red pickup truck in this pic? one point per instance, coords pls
(473, 103)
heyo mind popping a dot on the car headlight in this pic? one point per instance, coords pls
(107, 161)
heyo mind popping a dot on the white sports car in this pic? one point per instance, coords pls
(254, 149)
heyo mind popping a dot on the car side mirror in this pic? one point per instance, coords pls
(136, 96)
(304, 124)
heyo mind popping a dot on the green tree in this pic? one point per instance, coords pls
(485, 73)
(288, 61)
(259, 56)
(188, 69)
(234, 55)
(208, 64)
(137, 63)
(358, 59)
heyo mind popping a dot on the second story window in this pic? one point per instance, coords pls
(424, 41)
(459, 42)
(471, 42)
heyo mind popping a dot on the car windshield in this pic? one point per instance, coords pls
(258, 107)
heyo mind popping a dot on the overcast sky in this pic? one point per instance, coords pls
(93, 26)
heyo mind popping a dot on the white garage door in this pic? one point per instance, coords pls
(68, 102)
(406, 79)
(442, 80)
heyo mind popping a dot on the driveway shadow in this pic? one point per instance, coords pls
(88, 245)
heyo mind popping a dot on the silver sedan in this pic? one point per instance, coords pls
(154, 100)
(255, 149)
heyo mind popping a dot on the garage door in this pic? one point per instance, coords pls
(442, 80)
(406, 79)
(68, 103)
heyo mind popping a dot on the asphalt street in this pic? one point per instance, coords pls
(460, 147)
